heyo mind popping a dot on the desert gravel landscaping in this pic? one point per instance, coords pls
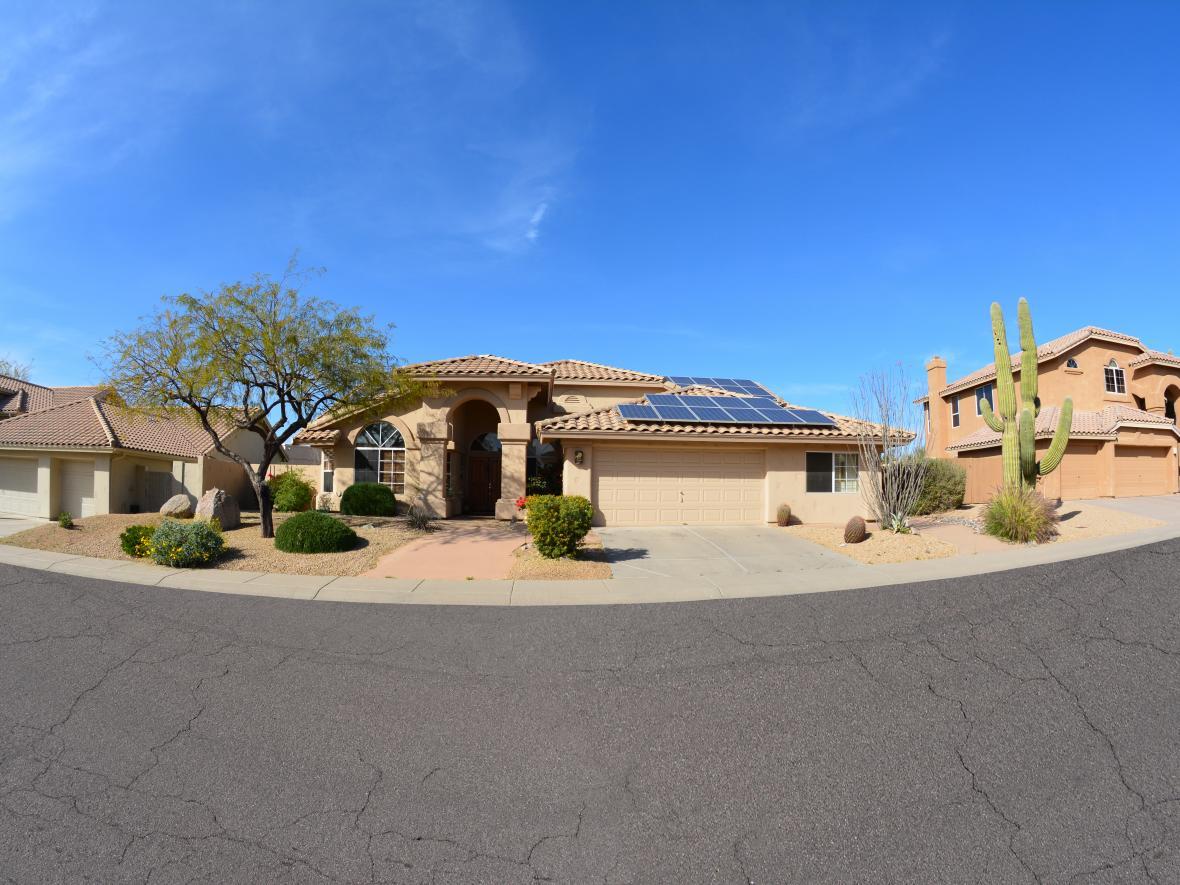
(879, 547)
(590, 564)
(247, 551)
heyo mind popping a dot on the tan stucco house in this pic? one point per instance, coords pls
(68, 449)
(1123, 440)
(495, 422)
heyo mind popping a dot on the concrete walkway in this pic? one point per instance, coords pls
(628, 587)
(457, 550)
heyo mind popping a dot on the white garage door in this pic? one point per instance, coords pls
(77, 488)
(674, 486)
(18, 486)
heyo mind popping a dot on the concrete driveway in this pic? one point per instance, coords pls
(11, 523)
(712, 551)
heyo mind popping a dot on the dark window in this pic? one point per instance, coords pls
(1071, 363)
(954, 411)
(366, 465)
(983, 393)
(819, 471)
(328, 476)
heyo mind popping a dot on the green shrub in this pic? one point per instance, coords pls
(136, 540)
(558, 523)
(1021, 515)
(186, 544)
(290, 492)
(314, 532)
(65, 519)
(368, 499)
(943, 487)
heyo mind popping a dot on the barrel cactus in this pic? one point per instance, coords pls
(1018, 432)
(854, 530)
(783, 516)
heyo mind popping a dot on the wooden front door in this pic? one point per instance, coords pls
(483, 482)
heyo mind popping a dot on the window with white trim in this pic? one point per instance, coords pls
(327, 473)
(954, 411)
(381, 456)
(984, 393)
(1116, 382)
(833, 472)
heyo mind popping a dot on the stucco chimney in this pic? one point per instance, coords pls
(937, 433)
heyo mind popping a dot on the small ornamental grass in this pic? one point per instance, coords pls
(368, 499)
(290, 492)
(136, 540)
(186, 544)
(1021, 515)
(558, 523)
(65, 519)
(314, 532)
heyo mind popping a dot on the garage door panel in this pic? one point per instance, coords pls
(1079, 471)
(1142, 470)
(76, 495)
(695, 487)
(18, 486)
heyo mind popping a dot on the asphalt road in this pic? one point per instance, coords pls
(1012, 728)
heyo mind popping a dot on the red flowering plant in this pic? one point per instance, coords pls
(522, 502)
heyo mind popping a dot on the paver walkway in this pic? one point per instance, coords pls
(458, 549)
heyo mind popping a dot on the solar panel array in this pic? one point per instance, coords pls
(690, 409)
(744, 386)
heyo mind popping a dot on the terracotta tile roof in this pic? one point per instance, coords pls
(311, 437)
(608, 420)
(1045, 351)
(1155, 356)
(580, 370)
(478, 364)
(1103, 424)
(18, 396)
(91, 423)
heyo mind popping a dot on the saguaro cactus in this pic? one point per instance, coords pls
(1021, 467)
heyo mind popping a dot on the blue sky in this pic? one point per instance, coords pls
(792, 192)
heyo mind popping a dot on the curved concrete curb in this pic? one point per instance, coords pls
(613, 592)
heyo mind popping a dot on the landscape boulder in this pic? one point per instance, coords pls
(220, 505)
(178, 507)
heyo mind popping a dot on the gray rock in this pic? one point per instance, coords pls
(220, 505)
(178, 506)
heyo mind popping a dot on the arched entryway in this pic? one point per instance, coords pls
(477, 456)
(1170, 396)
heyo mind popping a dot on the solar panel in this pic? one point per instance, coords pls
(633, 412)
(675, 413)
(779, 416)
(811, 416)
(695, 402)
(714, 415)
(681, 380)
(747, 416)
(663, 399)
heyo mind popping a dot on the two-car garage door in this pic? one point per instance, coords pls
(675, 486)
(18, 486)
(1142, 470)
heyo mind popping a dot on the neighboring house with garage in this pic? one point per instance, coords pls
(1124, 436)
(86, 456)
(18, 396)
(645, 448)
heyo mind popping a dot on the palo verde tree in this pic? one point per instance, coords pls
(259, 357)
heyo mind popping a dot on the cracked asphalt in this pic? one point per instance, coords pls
(1017, 727)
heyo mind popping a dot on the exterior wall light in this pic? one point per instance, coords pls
(579, 456)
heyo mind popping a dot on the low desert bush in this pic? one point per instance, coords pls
(1020, 515)
(368, 499)
(290, 492)
(65, 519)
(558, 523)
(943, 485)
(136, 540)
(418, 519)
(314, 532)
(186, 544)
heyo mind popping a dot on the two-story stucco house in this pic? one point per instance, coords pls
(644, 448)
(1124, 436)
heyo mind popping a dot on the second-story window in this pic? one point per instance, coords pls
(1115, 380)
(954, 411)
(981, 394)
(1071, 363)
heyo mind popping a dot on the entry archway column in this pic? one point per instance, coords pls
(432, 467)
(514, 450)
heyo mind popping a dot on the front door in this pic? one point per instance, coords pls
(483, 482)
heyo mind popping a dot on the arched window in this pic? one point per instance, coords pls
(381, 456)
(486, 442)
(1071, 363)
(1115, 381)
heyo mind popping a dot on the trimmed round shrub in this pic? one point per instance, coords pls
(1020, 514)
(290, 492)
(854, 530)
(783, 515)
(943, 486)
(368, 499)
(314, 532)
(136, 540)
(186, 544)
(558, 523)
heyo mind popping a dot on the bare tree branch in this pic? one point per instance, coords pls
(892, 444)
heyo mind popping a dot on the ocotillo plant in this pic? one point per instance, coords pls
(1021, 467)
